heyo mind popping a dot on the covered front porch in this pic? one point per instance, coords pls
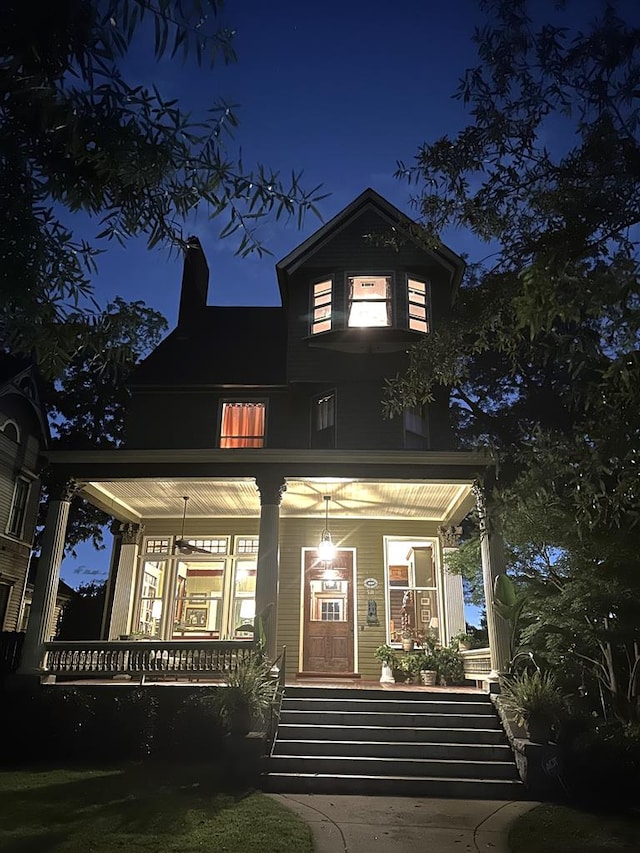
(203, 546)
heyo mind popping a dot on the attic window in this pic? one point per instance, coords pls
(369, 300)
(417, 298)
(242, 424)
(321, 309)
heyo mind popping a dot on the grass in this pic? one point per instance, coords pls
(561, 829)
(145, 808)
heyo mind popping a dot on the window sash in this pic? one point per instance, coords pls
(322, 307)
(417, 297)
(18, 507)
(369, 301)
(242, 425)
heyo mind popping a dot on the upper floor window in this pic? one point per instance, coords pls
(10, 429)
(417, 298)
(242, 424)
(323, 415)
(416, 429)
(18, 508)
(322, 307)
(369, 300)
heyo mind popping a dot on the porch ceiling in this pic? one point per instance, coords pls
(133, 500)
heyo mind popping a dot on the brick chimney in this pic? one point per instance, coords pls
(195, 283)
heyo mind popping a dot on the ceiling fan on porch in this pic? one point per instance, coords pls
(182, 545)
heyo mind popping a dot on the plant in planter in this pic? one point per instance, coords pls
(247, 696)
(449, 666)
(388, 657)
(428, 668)
(535, 700)
(461, 641)
(409, 665)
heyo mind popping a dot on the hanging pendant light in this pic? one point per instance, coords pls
(326, 548)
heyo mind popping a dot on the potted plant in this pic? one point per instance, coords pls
(427, 668)
(461, 641)
(388, 657)
(409, 664)
(535, 700)
(248, 693)
(449, 666)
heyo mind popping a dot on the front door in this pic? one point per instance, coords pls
(328, 613)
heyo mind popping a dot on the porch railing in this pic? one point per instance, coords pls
(477, 664)
(102, 658)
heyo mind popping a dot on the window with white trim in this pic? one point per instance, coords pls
(369, 301)
(242, 424)
(418, 304)
(322, 307)
(18, 508)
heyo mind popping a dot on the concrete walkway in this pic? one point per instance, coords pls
(359, 824)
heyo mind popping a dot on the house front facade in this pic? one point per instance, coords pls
(260, 477)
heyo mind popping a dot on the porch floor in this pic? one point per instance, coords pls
(293, 681)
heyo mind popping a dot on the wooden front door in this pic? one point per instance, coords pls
(328, 613)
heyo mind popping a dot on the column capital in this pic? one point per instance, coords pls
(271, 488)
(449, 535)
(62, 488)
(130, 532)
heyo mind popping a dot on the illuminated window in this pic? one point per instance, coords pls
(417, 297)
(322, 297)
(242, 425)
(369, 300)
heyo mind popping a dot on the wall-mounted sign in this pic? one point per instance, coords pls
(370, 583)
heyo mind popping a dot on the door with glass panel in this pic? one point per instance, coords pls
(328, 635)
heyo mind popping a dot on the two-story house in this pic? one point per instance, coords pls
(257, 444)
(24, 434)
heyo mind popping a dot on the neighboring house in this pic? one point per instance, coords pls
(24, 434)
(64, 595)
(254, 432)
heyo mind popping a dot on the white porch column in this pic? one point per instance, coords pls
(271, 489)
(493, 564)
(455, 622)
(46, 586)
(123, 581)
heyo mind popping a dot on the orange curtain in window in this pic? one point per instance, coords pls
(242, 425)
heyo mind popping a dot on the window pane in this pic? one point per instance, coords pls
(417, 298)
(321, 307)
(242, 425)
(150, 611)
(198, 599)
(369, 301)
(244, 597)
(18, 508)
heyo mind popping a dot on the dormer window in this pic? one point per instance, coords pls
(369, 301)
(417, 299)
(322, 307)
(242, 424)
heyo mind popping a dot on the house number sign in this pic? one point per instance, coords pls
(370, 583)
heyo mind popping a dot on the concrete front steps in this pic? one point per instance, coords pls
(335, 740)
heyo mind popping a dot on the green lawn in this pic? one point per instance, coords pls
(144, 808)
(560, 829)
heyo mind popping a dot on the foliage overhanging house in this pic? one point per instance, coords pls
(269, 420)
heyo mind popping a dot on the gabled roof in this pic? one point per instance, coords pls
(366, 201)
(19, 376)
(243, 346)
